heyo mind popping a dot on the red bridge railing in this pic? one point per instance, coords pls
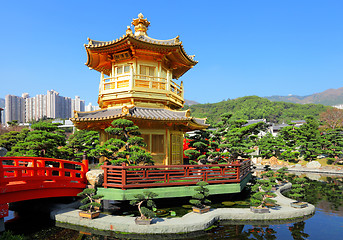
(126, 177)
(22, 176)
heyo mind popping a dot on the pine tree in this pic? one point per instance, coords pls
(125, 146)
(146, 212)
(200, 198)
(44, 141)
(79, 143)
(235, 139)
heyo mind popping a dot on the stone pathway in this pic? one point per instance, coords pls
(190, 222)
(299, 168)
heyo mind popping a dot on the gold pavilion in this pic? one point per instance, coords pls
(138, 83)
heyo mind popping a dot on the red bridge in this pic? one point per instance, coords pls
(25, 178)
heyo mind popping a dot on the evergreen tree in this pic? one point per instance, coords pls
(235, 138)
(288, 137)
(298, 190)
(125, 144)
(146, 211)
(44, 140)
(79, 143)
(309, 139)
(332, 142)
(269, 146)
(201, 150)
(200, 200)
(9, 139)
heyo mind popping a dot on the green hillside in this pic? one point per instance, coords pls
(253, 107)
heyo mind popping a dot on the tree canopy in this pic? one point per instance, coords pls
(253, 107)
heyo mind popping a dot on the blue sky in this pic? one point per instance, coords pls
(244, 47)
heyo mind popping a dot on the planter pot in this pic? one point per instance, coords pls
(140, 221)
(89, 215)
(270, 196)
(299, 204)
(201, 210)
(270, 204)
(259, 210)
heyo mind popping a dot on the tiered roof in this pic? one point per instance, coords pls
(150, 114)
(100, 53)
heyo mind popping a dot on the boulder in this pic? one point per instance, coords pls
(313, 164)
(95, 177)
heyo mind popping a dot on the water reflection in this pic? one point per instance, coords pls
(297, 231)
(325, 194)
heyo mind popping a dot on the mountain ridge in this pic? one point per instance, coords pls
(329, 97)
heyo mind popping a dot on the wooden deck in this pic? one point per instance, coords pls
(123, 182)
(127, 177)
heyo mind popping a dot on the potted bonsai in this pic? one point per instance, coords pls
(297, 192)
(260, 200)
(89, 203)
(199, 200)
(146, 212)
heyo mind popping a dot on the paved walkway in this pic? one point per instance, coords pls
(190, 222)
(298, 168)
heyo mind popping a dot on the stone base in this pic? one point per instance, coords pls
(259, 210)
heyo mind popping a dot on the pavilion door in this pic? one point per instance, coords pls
(176, 149)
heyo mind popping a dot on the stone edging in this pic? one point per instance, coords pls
(190, 222)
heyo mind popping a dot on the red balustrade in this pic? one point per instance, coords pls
(24, 178)
(126, 177)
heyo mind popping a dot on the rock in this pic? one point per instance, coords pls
(95, 177)
(297, 165)
(313, 164)
(312, 176)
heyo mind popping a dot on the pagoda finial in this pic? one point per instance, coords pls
(128, 31)
(141, 25)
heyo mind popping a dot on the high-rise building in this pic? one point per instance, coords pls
(77, 105)
(51, 105)
(52, 98)
(90, 107)
(14, 108)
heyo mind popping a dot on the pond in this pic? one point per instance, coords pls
(323, 191)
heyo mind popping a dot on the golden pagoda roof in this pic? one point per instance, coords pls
(140, 113)
(100, 52)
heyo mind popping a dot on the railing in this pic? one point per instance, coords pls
(15, 171)
(142, 81)
(175, 88)
(126, 177)
(120, 81)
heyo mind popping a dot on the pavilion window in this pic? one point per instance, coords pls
(163, 73)
(123, 69)
(157, 143)
(146, 71)
(146, 138)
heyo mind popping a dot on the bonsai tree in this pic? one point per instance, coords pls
(281, 174)
(90, 196)
(262, 194)
(199, 199)
(269, 175)
(146, 211)
(298, 189)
